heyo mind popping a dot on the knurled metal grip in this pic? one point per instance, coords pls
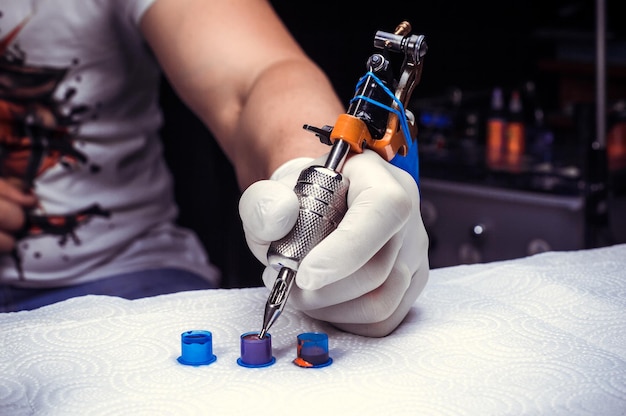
(322, 193)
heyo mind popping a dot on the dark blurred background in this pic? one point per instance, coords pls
(543, 50)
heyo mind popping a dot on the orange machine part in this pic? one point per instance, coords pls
(353, 130)
(393, 142)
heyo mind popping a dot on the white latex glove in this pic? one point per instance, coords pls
(365, 276)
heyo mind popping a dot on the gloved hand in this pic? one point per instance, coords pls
(365, 276)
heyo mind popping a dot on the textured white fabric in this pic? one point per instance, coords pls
(543, 335)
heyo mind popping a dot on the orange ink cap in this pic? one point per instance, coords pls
(312, 350)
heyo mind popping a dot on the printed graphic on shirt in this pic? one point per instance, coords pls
(37, 132)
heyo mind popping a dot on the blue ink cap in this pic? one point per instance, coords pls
(197, 348)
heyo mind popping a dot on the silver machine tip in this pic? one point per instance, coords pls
(277, 298)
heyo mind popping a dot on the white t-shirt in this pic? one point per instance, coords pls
(79, 121)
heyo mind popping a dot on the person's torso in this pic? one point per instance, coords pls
(79, 122)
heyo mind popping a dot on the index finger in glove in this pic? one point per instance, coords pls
(381, 199)
(268, 211)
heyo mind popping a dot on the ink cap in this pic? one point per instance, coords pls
(312, 350)
(256, 352)
(196, 348)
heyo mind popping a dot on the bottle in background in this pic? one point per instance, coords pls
(616, 137)
(539, 137)
(515, 133)
(542, 139)
(496, 124)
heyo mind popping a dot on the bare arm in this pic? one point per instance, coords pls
(237, 67)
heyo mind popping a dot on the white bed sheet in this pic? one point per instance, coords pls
(543, 335)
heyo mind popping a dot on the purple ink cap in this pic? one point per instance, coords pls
(313, 350)
(197, 348)
(255, 351)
